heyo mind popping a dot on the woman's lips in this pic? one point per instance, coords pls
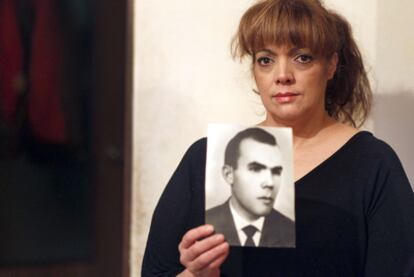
(285, 97)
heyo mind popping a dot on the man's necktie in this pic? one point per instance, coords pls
(249, 230)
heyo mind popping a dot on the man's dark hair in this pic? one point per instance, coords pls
(232, 153)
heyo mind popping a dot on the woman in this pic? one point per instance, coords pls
(354, 204)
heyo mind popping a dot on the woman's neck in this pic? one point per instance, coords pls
(304, 131)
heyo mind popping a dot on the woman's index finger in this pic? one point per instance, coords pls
(196, 234)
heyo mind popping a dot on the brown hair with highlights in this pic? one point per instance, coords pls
(308, 24)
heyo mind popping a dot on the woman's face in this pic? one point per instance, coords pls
(292, 82)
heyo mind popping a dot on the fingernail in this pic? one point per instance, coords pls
(219, 237)
(209, 228)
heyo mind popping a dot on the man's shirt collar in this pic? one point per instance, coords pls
(241, 222)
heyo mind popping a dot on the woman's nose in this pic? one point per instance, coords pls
(283, 74)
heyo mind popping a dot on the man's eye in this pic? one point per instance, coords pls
(277, 170)
(304, 58)
(255, 168)
(264, 61)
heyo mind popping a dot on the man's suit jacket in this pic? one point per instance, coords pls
(278, 230)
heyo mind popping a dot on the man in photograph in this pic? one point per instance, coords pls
(253, 166)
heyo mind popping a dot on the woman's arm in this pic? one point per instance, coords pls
(170, 244)
(390, 218)
(170, 222)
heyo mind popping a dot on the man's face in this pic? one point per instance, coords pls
(256, 181)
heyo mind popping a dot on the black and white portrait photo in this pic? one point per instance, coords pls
(249, 185)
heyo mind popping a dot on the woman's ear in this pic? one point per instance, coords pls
(227, 172)
(332, 64)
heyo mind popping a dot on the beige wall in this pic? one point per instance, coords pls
(185, 78)
(393, 112)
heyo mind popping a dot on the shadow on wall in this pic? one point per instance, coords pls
(393, 116)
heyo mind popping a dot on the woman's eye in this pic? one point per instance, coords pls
(304, 59)
(264, 60)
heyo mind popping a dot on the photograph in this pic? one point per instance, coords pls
(249, 185)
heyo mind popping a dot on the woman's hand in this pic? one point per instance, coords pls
(202, 252)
